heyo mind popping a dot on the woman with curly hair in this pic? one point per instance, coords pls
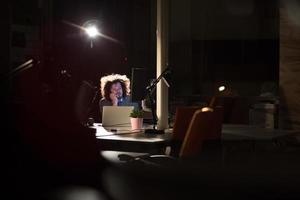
(115, 90)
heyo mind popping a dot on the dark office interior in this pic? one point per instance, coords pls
(215, 83)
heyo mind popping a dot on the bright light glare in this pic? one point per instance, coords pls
(92, 31)
(221, 88)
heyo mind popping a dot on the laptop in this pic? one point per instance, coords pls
(116, 116)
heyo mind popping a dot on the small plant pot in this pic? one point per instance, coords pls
(136, 123)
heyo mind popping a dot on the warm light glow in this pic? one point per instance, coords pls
(222, 88)
(92, 31)
(207, 109)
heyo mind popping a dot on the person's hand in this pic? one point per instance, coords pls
(114, 99)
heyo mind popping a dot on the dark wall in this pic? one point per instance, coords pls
(5, 38)
(234, 42)
(43, 30)
(5, 81)
(128, 22)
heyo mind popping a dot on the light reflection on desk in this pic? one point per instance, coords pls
(126, 134)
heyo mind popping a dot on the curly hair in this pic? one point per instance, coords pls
(107, 81)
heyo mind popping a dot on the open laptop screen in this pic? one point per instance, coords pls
(118, 116)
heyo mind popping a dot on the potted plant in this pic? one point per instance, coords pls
(136, 118)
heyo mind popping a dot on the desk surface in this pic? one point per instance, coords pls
(124, 139)
(249, 132)
(138, 141)
(126, 134)
(229, 132)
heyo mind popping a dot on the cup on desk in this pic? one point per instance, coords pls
(136, 123)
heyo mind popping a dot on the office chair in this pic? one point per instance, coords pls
(203, 128)
(86, 101)
(183, 117)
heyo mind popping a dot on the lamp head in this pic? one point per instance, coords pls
(91, 28)
(221, 88)
(207, 109)
(92, 31)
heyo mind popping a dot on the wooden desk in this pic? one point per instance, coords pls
(127, 140)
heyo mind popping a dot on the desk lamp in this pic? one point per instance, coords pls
(211, 105)
(91, 29)
(150, 90)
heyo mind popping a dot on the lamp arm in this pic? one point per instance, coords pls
(154, 117)
(212, 102)
(161, 76)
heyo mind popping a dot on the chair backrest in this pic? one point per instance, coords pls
(236, 109)
(203, 126)
(183, 117)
